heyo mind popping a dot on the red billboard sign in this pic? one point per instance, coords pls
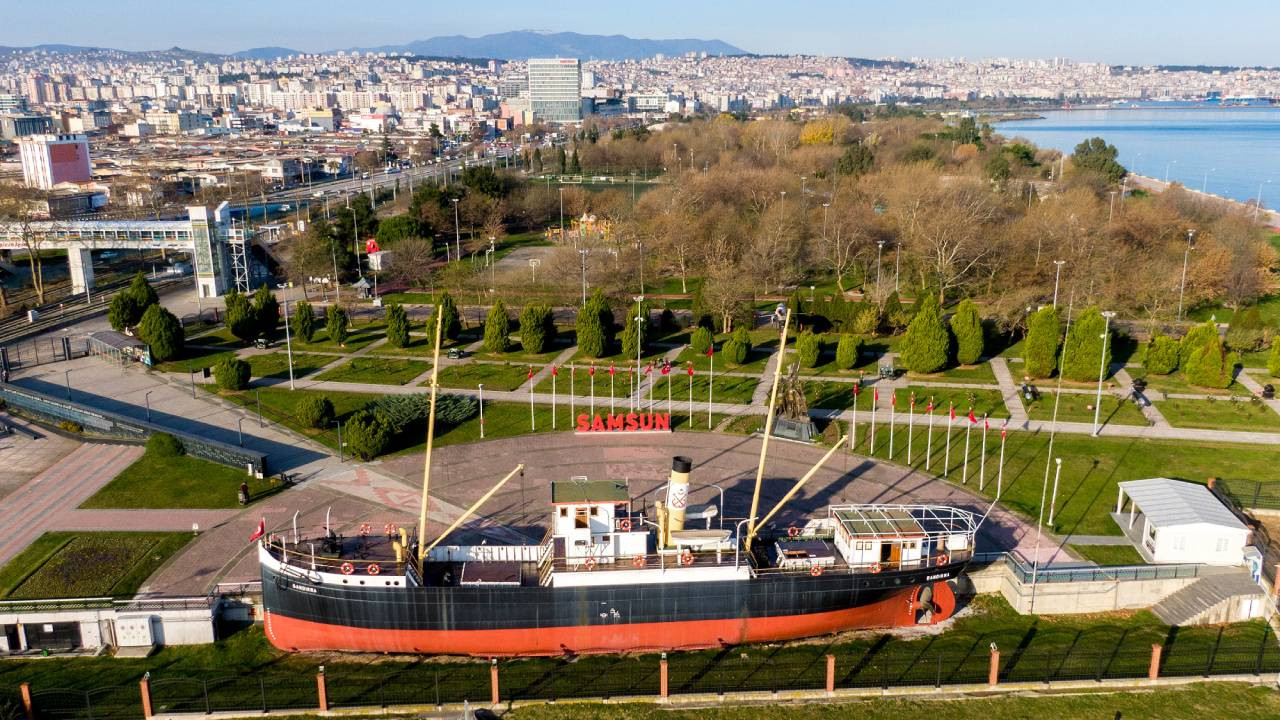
(629, 422)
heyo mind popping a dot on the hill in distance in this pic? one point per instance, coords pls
(265, 53)
(524, 44)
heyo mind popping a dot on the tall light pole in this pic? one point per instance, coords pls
(481, 403)
(583, 252)
(561, 189)
(897, 264)
(457, 233)
(1166, 170)
(783, 193)
(1102, 369)
(288, 343)
(1258, 203)
(1111, 210)
(1057, 275)
(147, 399)
(639, 329)
(640, 248)
(827, 206)
(491, 259)
(879, 249)
(1186, 255)
(1204, 186)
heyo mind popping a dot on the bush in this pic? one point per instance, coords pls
(1083, 352)
(314, 411)
(894, 314)
(867, 321)
(123, 312)
(232, 373)
(266, 312)
(735, 353)
(366, 435)
(1196, 338)
(451, 328)
(1246, 331)
(808, 349)
(1209, 366)
(161, 330)
(397, 326)
(1273, 360)
(848, 350)
(595, 326)
(143, 294)
(336, 324)
(925, 347)
(239, 316)
(537, 328)
(304, 321)
(1040, 351)
(163, 444)
(700, 340)
(966, 327)
(1162, 355)
(404, 411)
(497, 327)
(70, 426)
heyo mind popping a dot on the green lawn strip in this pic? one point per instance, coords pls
(94, 564)
(276, 364)
(377, 370)
(193, 359)
(1224, 414)
(1268, 310)
(725, 388)
(1177, 383)
(508, 376)
(1017, 370)
(968, 373)
(30, 559)
(278, 404)
(175, 482)
(1257, 359)
(1079, 408)
(219, 336)
(1109, 554)
(420, 346)
(516, 352)
(614, 355)
(744, 425)
(357, 338)
(756, 360)
(1188, 702)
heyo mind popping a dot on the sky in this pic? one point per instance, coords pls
(1212, 32)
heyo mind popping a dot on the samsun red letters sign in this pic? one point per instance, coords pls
(630, 422)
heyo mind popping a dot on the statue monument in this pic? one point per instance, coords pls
(793, 421)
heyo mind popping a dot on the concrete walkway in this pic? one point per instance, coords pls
(1255, 387)
(1008, 391)
(1149, 411)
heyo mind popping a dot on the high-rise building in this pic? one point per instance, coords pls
(51, 159)
(555, 89)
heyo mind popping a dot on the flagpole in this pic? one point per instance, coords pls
(690, 373)
(611, 411)
(982, 459)
(951, 421)
(711, 381)
(631, 390)
(911, 424)
(592, 374)
(573, 372)
(668, 393)
(928, 447)
(553, 398)
(875, 400)
(964, 475)
(532, 422)
(853, 426)
(893, 414)
(1000, 472)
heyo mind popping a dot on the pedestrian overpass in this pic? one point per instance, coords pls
(218, 247)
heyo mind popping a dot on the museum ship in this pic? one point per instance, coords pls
(611, 575)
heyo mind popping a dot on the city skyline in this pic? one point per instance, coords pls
(1140, 33)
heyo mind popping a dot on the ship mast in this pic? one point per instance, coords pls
(431, 433)
(799, 484)
(768, 428)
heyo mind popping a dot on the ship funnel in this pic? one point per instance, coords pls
(678, 491)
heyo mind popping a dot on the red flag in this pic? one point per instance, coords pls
(857, 388)
(913, 401)
(1003, 429)
(591, 371)
(893, 398)
(972, 418)
(985, 424)
(262, 530)
(611, 370)
(930, 408)
(554, 371)
(371, 245)
(875, 395)
(711, 349)
(690, 370)
(530, 372)
(953, 411)
(666, 367)
(648, 370)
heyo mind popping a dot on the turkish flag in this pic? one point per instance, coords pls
(530, 372)
(857, 388)
(666, 367)
(554, 371)
(690, 370)
(953, 412)
(591, 371)
(875, 395)
(1003, 429)
(648, 370)
(930, 408)
(913, 401)
(711, 350)
(371, 245)
(985, 425)
(262, 530)
(972, 418)
(893, 398)
(611, 369)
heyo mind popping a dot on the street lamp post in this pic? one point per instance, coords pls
(489, 259)
(147, 399)
(288, 343)
(561, 189)
(1204, 186)
(457, 233)
(66, 379)
(1102, 370)
(1057, 275)
(1258, 203)
(897, 264)
(1111, 210)
(879, 249)
(481, 386)
(583, 252)
(240, 430)
(1166, 170)
(1186, 255)
(827, 206)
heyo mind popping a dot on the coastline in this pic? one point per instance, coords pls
(1269, 218)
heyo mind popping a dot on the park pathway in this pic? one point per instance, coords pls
(26, 512)
(1009, 392)
(1149, 411)
(1255, 387)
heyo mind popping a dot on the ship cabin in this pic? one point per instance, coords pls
(900, 537)
(592, 522)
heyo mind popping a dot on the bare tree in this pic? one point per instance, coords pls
(19, 206)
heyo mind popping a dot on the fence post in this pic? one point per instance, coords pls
(144, 686)
(831, 675)
(322, 691)
(662, 677)
(27, 707)
(993, 672)
(1153, 670)
(493, 681)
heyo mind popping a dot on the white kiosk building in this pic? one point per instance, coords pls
(1172, 521)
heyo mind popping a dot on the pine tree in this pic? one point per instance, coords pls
(847, 351)
(1083, 353)
(594, 337)
(142, 293)
(304, 321)
(452, 328)
(397, 326)
(537, 160)
(497, 326)
(734, 352)
(1040, 350)
(240, 318)
(231, 373)
(743, 336)
(925, 347)
(1209, 365)
(1196, 337)
(266, 312)
(560, 160)
(1162, 355)
(701, 339)
(336, 324)
(160, 329)
(808, 349)
(966, 327)
(574, 166)
(1273, 360)
(537, 328)
(123, 312)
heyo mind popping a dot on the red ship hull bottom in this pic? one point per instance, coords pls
(895, 610)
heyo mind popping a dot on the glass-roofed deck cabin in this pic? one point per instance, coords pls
(887, 537)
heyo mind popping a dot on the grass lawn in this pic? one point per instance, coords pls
(507, 376)
(614, 355)
(87, 564)
(1257, 359)
(380, 370)
(1190, 702)
(1109, 554)
(175, 482)
(420, 346)
(1078, 408)
(764, 342)
(1243, 414)
(193, 359)
(516, 352)
(726, 388)
(358, 336)
(276, 364)
(278, 404)
(1177, 383)
(990, 402)
(964, 373)
(1017, 370)
(220, 336)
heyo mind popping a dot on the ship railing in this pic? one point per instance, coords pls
(299, 558)
(665, 560)
(870, 567)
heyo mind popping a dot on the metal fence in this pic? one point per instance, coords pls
(1026, 572)
(41, 351)
(1246, 494)
(734, 670)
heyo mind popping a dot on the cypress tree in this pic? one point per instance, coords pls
(240, 318)
(397, 326)
(497, 326)
(701, 339)
(1040, 350)
(1273, 360)
(304, 321)
(847, 351)
(808, 349)
(925, 347)
(1196, 337)
(162, 331)
(590, 334)
(336, 324)
(1162, 355)
(966, 327)
(1083, 353)
(266, 312)
(142, 293)
(537, 328)
(1209, 365)
(452, 328)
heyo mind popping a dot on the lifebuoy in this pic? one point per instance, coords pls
(793, 531)
(816, 570)
(364, 529)
(943, 559)
(686, 558)
(624, 524)
(391, 529)
(590, 563)
(373, 569)
(348, 568)
(875, 568)
(637, 561)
